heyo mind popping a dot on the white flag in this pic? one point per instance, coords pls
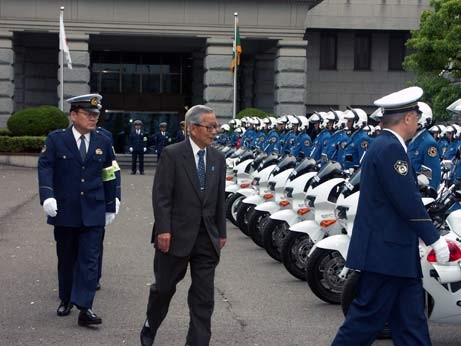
(63, 41)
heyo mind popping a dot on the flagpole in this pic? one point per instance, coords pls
(234, 106)
(61, 64)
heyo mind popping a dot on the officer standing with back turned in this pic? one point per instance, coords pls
(77, 189)
(384, 242)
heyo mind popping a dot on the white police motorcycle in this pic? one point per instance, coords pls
(273, 196)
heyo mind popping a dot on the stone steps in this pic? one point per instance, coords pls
(124, 161)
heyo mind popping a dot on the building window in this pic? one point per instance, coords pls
(362, 52)
(397, 50)
(328, 48)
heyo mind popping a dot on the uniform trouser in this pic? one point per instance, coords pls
(101, 252)
(134, 157)
(78, 251)
(381, 298)
(168, 271)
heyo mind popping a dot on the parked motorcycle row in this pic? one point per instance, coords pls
(301, 211)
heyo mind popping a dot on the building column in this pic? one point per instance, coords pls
(264, 82)
(77, 80)
(218, 79)
(197, 78)
(6, 76)
(290, 77)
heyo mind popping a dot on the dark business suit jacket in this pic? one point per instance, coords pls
(180, 208)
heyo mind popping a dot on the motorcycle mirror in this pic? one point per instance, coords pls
(349, 158)
(426, 171)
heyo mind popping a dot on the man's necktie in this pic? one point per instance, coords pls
(82, 147)
(201, 169)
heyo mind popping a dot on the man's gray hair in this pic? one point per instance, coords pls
(194, 114)
(390, 120)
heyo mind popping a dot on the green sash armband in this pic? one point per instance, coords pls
(108, 174)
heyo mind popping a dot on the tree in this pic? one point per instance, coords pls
(436, 55)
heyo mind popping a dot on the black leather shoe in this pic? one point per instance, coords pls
(133, 173)
(88, 317)
(142, 173)
(64, 309)
(98, 286)
(147, 339)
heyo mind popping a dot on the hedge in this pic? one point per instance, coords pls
(5, 132)
(251, 112)
(38, 121)
(25, 144)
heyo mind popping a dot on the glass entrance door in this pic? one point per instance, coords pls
(120, 123)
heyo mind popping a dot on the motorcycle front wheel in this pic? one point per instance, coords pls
(243, 212)
(232, 203)
(274, 234)
(295, 250)
(322, 274)
(256, 222)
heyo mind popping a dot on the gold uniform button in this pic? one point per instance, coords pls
(83, 180)
(83, 167)
(82, 193)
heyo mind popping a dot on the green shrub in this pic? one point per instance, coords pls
(251, 112)
(25, 144)
(5, 132)
(38, 121)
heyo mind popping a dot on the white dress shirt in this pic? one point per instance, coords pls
(77, 136)
(195, 149)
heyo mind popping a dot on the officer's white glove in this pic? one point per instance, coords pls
(50, 206)
(131, 149)
(117, 206)
(442, 253)
(110, 217)
(145, 149)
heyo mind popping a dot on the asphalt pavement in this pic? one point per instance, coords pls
(258, 303)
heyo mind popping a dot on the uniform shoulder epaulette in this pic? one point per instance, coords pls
(61, 131)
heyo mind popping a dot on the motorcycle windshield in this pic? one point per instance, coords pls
(331, 170)
(268, 161)
(258, 159)
(286, 163)
(305, 166)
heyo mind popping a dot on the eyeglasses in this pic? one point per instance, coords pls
(209, 128)
(88, 114)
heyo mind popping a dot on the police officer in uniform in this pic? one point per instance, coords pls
(384, 242)
(359, 141)
(138, 146)
(181, 132)
(423, 149)
(161, 139)
(77, 190)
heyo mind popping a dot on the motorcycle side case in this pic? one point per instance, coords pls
(232, 188)
(339, 242)
(454, 222)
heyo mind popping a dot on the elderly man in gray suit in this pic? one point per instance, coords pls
(190, 226)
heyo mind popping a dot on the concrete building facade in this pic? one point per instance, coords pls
(153, 59)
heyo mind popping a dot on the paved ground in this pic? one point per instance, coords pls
(257, 302)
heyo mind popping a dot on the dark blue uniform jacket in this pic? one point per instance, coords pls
(390, 215)
(82, 196)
